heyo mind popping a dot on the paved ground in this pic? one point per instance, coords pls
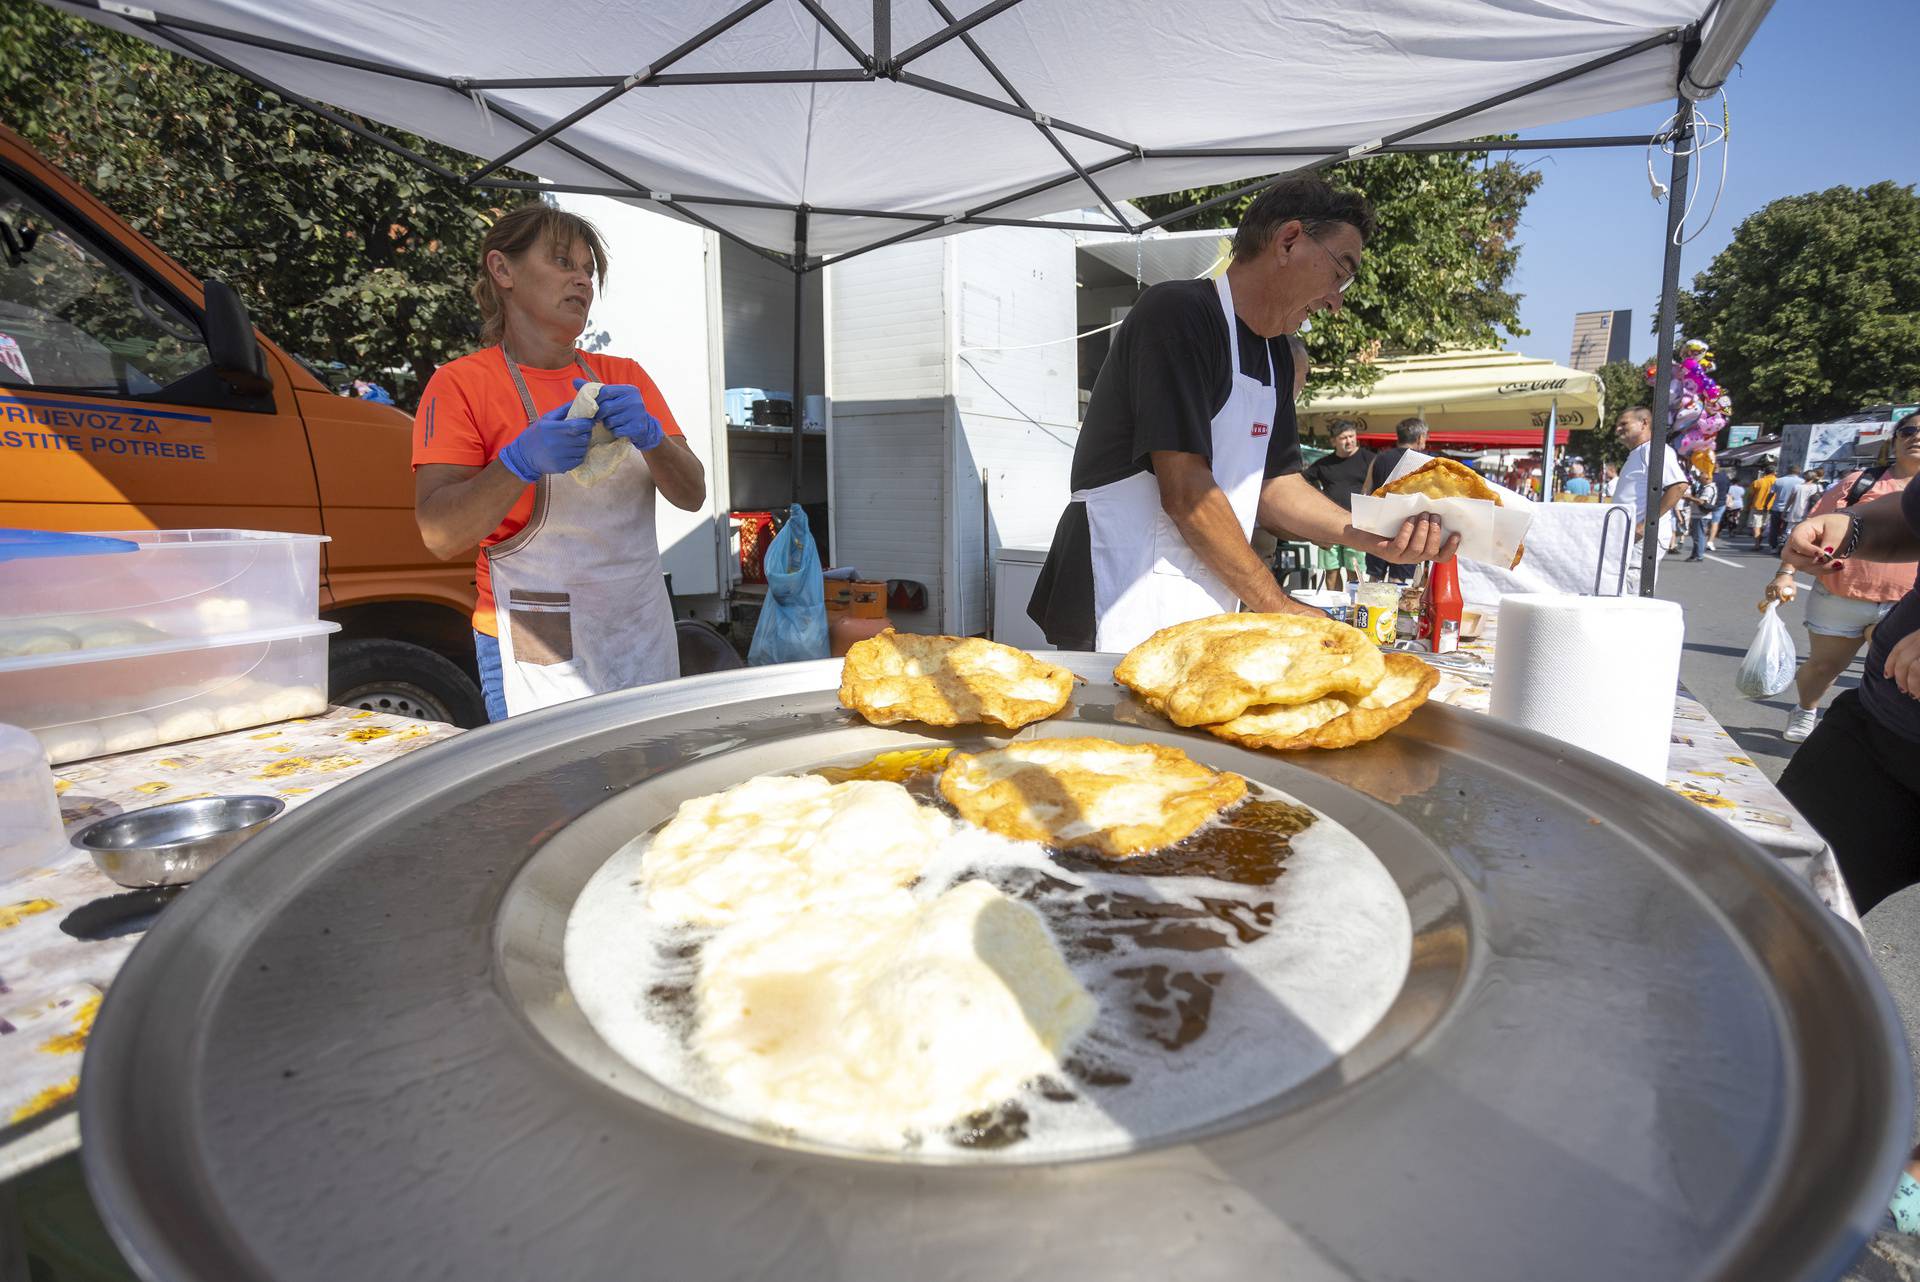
(1719, 596)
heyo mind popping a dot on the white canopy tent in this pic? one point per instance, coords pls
(814, 129)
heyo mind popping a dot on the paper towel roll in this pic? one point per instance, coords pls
(1597, 672)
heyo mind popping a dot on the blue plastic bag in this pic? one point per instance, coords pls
(793, 625)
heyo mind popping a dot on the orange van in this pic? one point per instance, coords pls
(132, 396)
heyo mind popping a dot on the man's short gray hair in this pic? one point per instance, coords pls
(1315, 202)
(1410, 431)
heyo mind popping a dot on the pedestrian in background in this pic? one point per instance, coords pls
(1722, 487)
(1736, 510)
(1577, 482)
(1780, 508)
(1700, 509)
(1846, 605)
(1759, 499)
(1857, 778)
(1339, 476)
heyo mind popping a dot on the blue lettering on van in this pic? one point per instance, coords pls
(83, 428)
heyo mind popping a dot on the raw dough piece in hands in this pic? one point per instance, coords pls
(608, 451)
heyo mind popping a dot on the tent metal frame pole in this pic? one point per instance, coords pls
(799, 347)
(627, 190)
(170, 28)
(1413, 148)
(946, 90)
(1653, 491)
(1046, 131)
(845, 41)
(947, 33)
(326, 113)
(575, 116)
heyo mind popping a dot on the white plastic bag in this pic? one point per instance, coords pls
(1770, 662)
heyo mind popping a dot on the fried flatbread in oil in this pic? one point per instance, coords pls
(1405, 687)
(1116, 798)
(949, 681)
(1210, 670)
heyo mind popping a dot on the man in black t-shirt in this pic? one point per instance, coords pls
(1190, 440)
(1339, 476)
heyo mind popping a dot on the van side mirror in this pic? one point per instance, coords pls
(231, 342)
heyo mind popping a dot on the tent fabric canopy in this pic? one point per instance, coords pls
(1488, 398)
(885, 119)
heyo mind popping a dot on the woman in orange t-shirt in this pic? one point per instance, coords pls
(1847, 604)
(572, 600)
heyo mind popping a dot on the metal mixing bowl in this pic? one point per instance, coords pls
(172, 844)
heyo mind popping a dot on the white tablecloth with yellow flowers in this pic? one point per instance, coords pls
(51, 982)
(1705, 766)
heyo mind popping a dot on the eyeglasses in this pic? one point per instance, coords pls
(1346, 273)
(1911, 429)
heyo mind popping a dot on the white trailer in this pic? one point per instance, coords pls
(703, 314)
(950, 381)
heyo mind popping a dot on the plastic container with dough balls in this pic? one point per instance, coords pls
(88, 703)
(175, 584)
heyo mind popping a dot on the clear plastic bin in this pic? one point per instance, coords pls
(31, 835)
(87, 703)
(178, 584)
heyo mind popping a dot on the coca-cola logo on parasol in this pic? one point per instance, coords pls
(1539, 385)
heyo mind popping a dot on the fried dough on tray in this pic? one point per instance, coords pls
(1405, 687)
(1117, 798)
(949, 681)
(1213, 669)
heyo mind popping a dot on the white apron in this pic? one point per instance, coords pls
(1145, 576)
(579, 597)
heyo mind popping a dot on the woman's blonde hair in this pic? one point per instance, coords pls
(513, 234)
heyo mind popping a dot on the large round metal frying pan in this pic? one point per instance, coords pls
(1630, 1045)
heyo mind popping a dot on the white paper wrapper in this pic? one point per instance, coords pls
(1489, 533)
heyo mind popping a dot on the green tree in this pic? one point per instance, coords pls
(1622, 384)
(1435, 274)
(1813, 309)
(344, 252)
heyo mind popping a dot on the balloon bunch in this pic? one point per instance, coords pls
(1699, 409)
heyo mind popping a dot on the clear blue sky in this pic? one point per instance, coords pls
(1824, 96)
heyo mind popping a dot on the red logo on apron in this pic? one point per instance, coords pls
(1260, 429)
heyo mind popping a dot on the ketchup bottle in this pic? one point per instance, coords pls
(1440, 612)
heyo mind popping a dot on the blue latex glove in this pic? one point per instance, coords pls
(625, 413)
(550, 444)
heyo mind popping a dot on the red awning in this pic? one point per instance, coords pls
(1483, 439)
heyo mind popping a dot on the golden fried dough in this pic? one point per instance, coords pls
(949, 681)
(1210, 670)
(1442, 478)
(1117, 798)
(1404, 688)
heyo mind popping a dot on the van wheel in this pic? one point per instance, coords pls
(404, 679)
